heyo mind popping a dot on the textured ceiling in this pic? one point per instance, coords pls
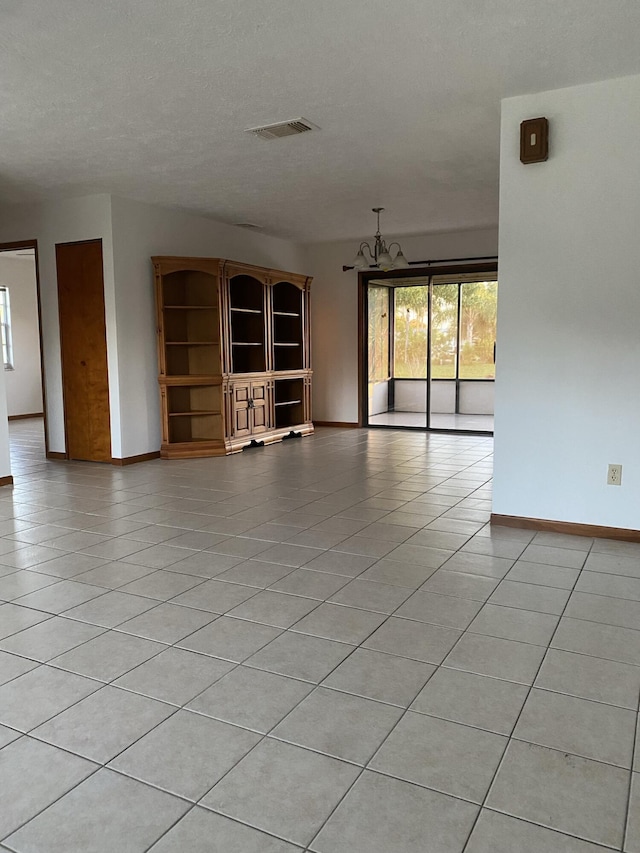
(149, 99)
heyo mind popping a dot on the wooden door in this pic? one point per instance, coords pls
(83, 343)
(259, 408)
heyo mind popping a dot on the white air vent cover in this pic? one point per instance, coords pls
(283, 128)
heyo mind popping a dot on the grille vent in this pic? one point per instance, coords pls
(251, 226)
(282, 128)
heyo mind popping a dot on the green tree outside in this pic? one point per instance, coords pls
(477, 330)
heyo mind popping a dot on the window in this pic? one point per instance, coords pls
(378, 334)
(478, 330)
(444, 331)
(411, 327)
(463, 329)
(5, 328)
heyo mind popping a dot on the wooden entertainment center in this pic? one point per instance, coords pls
(234, 355)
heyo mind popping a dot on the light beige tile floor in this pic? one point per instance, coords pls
(316, 646)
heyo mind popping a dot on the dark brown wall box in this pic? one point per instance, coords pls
(534, 140)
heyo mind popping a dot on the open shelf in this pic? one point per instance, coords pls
(247, 325)
(190, 288)
(247, 357)
(287, 327)
(288, 402)
(287, 356)
(287, 299)
(195, 358)
(195, 427)
(289, 416)
(246, 292)
(191, 325)
(248, 353)
(185, 400)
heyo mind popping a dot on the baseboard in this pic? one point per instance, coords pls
(55, 454)
(25, 417)
(132, 460)
(6, 481)
(340, 424)
(568, 527)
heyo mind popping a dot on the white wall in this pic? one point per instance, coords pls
(379, 398)
(334, 311)
(477, 398)
(567, 400)
(24, 382)
(131, 233)
(63, 221)
(140, 231)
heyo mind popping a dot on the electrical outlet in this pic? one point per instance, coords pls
(614, 475)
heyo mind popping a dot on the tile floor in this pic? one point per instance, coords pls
(319, 646)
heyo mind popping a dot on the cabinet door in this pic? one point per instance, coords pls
(260, 420)
(241, 409)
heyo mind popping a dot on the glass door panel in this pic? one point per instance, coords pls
(378, 356)
(478, 330)
(410, 349)
(443, 355)
(477, 369)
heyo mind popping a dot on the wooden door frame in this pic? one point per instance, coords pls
(33, 244)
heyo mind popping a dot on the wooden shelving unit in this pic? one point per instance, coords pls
(233, 354)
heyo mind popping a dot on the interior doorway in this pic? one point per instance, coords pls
(21, 338)
(428, 348)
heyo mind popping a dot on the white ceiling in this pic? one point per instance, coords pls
(149, 99)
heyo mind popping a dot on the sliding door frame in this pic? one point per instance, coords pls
(426, 272)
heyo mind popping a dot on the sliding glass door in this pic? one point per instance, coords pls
(431, 352)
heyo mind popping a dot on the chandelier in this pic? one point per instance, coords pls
(380, 254)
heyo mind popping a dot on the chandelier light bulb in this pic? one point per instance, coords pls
(360, 262)
(385, 261)
(400, 260)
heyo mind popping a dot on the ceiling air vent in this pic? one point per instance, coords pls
(250, 225)
(282, 128)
